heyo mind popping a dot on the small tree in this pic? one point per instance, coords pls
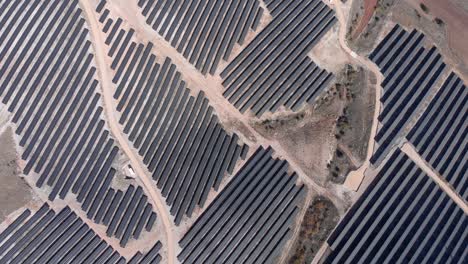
(439, 21)
(424, 8)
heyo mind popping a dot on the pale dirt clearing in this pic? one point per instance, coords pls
(14, 191)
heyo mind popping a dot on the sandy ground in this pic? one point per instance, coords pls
(41, 195)
(455, 16)
(4, 118)
(410, 15)
(231, 118)
(369, 7)
(309, 140)
(14, 191)
(33, 205)
(327, 54)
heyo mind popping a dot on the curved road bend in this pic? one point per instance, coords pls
(170, 243)
(355, 178)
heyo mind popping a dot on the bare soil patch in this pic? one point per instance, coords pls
(446, 22)
(320, 219)
(327, 53)
(307, 136)
(366, 20)
(14, 191)
(353, 127)
(329, 139)
(368, 7)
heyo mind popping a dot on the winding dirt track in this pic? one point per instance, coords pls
(354, 179)
(107, 92)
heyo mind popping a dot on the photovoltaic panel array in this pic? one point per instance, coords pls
(47, 236)
(274, 69)
(274, 6)
(410, 71)
(177, 135)
(251, 219)
(49, 83)
(50, 237)
(150, 257)
(440, 135)
(402, 217)
(203, 31)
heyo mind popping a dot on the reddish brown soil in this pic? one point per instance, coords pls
(369, 8)
(456, 21)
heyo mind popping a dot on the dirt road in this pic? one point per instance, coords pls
(212, 87)
(107, 92)
(354, 179)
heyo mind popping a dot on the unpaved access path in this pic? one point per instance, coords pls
(409, 150)
(212, 87)
(170, 243)
(354, 178)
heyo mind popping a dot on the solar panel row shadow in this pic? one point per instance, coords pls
(47, 236)
(53, 237)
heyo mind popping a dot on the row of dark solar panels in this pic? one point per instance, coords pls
(251, 219)
(440, 135)
(410, 71)
(48, 82)
(274, 69)
(177, 135)
(203, 31)
(50, 237)
(273, 6)
(402, 217)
